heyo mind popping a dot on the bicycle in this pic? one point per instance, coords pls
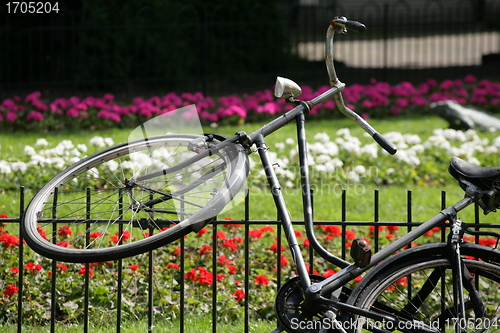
(170, 185)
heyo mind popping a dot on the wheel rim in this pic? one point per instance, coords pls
(98, 205)
(407, 296)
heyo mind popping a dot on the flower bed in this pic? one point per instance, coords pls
(378, 99)
(226, 244)
(338, 161)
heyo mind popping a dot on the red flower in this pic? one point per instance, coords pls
(389, 236)
(267, 228)
(10, 290)
(64, 244)
(134, 267)
(239, 295)
(4, 216)
(65, 231)
(202, 232)
(120, 237)
(230, 244)
(255, 233)
(262, 280)
(349, 234)
(488, 242)
(62, 267)
(307, 242)
(223, 260)
(205, 249)
(95, 234)
(33, 267)
(172, 265)
(334, 230)
(274, 248)
(232, 269)
(83, 271)
(284, 260)
(220, 235)
(177, 251)
(392, 228)
(329, 273)
(14, 270)
(298, 234)
(9, 240)
(42, 232)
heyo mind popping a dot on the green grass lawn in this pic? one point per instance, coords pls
(426, 200)
(191, 325)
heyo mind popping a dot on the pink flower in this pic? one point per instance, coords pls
(35, 116)
(32, 97)
(11, 116)
(109, 115)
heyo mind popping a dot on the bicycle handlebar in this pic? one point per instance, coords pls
(341, 25)
(342, 22)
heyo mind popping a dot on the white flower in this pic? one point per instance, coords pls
(474, 161)
(371, 150)
(344, 132)
(97, 141)
(19, 166)
(280, 145)
(82, 147)
(359, 169)
(331, 148)
(323, 158)
(109, 141)
(321, 168)
(41, 142)
(290, 141)
(5, 167)
(322, 137)
(76, 152)
(28, 150)
(353, 176)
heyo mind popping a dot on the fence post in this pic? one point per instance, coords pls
(21, 265)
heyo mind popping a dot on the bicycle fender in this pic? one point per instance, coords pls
(434, 249)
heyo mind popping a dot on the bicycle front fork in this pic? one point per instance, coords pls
(461, 278)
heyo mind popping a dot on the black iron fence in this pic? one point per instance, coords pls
(40, 292)
(219, 48)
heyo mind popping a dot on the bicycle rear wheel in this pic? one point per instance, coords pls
(106, 207)
(419, 291)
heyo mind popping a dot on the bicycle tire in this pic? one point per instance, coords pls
(398, 291)
(94, 211)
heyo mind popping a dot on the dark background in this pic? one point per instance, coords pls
(132, 47)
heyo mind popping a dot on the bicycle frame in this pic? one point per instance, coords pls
(320, 291)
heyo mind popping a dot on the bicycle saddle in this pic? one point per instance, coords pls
(459, 167)
(482, 182)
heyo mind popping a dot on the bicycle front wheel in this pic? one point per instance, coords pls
(133, 197)
(419, 293)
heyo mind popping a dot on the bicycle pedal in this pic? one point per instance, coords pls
(361, 252)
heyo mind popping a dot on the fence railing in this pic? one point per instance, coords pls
(47, 295)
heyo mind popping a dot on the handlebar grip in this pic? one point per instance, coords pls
(355, 26)
(382, 141)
